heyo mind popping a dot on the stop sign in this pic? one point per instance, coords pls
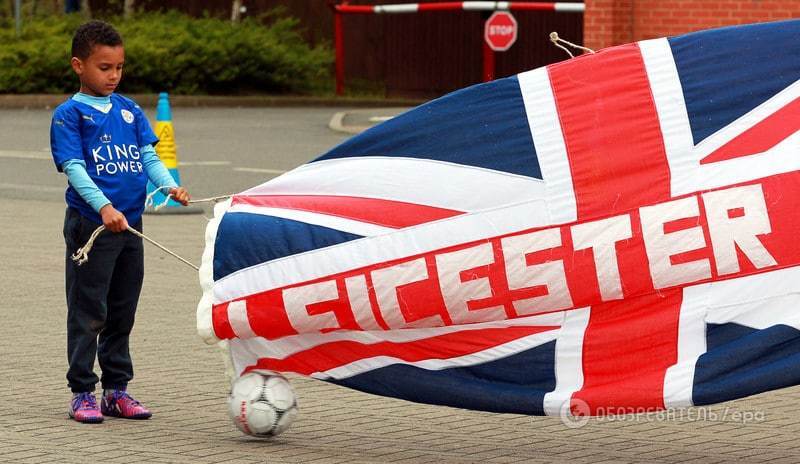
(500, 31)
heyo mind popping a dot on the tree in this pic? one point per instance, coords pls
(236, 11)
(128, 8)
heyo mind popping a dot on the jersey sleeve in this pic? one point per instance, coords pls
(65, 137)
(144, 132)
(156, 172)
(84, 185)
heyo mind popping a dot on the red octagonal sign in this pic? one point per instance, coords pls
(500, 31)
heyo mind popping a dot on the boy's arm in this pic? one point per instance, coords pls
(83, 184)
(160, 176)
(155, 169)
(88, 190)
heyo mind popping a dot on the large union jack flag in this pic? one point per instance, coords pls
(618, 230)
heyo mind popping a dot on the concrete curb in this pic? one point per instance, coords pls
(337, 124)
(47, 101)
(356, 121)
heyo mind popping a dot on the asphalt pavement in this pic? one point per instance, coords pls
(225, 150)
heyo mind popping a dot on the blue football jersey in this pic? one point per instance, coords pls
(108, 142)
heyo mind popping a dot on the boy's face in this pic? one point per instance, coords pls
(101, 71)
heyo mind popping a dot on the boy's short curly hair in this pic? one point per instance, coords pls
(93, 33)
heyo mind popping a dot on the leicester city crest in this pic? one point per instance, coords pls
(127, 116)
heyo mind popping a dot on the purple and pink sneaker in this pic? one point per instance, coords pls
(118, 403)
(83, 408)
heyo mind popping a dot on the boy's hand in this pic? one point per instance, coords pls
(113, 219)
(181, 195)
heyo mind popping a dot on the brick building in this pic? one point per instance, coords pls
(613, 22)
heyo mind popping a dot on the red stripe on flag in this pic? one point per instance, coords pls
(627, 348)
(451, 345)
(618, 163)
(388, 213)
(612, 133)
(761, 137)
(222, 325)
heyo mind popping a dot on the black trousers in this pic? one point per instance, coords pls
(102, 295)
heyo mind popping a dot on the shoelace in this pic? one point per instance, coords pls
(85, 400)
(118, 395)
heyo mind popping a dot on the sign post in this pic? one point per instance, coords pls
(499, 34)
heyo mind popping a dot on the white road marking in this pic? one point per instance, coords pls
(23, 154)
(203, 163)
(260, 170)
(30, 188)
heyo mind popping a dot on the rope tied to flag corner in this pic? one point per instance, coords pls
(556, 39)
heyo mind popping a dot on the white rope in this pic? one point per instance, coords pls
(556, 39)
(82, 255)
(214, 199)
(149, 202)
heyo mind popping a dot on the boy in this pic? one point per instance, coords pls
(104, 144)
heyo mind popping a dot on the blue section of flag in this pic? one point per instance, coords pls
(714, 66)
(267, 238)
(515, 384)
(483, 126)
(742, 361)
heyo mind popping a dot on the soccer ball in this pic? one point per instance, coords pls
(262, 403)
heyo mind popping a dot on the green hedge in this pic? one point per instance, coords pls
(171, 52)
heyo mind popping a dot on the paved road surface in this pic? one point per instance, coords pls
(182, 379)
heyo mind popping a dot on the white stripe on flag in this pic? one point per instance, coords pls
(758, 301)
(425, 182)
(679, 378)
(237, 315)
(540, 106)
(672, 115)
(569, 360)
(333, 222)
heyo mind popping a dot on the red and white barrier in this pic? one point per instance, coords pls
(465, 6)
(488, 55)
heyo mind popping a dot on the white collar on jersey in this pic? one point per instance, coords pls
(102, 104)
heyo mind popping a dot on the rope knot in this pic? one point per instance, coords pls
(82, 254)
(556, 39)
